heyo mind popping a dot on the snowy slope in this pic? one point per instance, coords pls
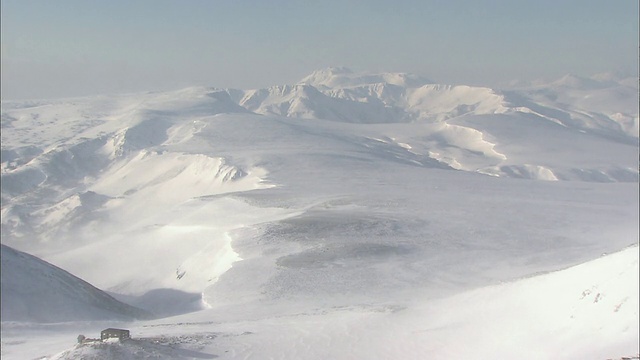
(587, 311)
(559, 315)
(584, 312)
(34, 290)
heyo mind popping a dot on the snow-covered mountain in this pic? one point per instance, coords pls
(592, 105)
(475, 128)
(344, 191)
(34, 290)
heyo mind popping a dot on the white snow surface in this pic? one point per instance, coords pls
(351, 215)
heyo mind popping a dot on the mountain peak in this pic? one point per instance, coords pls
(341, 77)
(577, 82)
(332, 70)
(325, 77)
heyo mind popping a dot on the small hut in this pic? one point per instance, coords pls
(112, 333)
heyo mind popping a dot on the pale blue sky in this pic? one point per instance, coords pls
(76, 47)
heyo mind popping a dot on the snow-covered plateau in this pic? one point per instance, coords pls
(348, 216)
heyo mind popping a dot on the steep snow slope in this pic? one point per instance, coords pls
(34, 290)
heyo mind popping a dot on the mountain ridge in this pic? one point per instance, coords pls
(36, 291)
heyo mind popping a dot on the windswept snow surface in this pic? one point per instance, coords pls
(348, 216)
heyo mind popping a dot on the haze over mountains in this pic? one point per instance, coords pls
(360, 196)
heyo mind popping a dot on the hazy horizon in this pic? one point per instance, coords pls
(74, 48)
